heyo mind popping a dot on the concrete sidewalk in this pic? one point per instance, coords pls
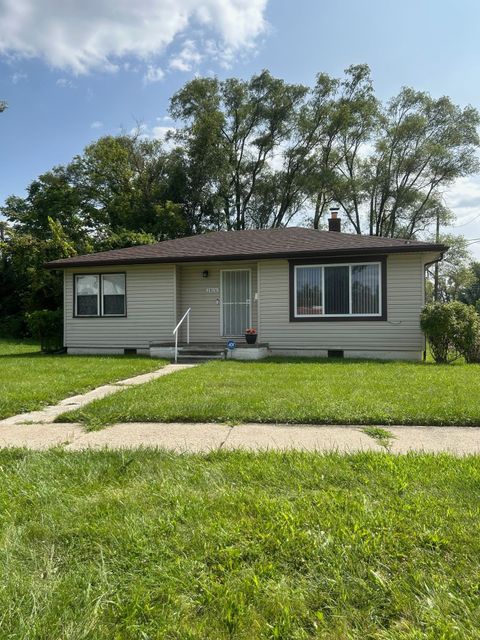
(200, 438)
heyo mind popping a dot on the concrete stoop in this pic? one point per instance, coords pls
(208, 351)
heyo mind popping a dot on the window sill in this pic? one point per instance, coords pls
(381, 318)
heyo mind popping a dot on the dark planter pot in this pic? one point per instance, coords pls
(251, 338)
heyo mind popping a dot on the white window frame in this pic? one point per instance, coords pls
(100, 311)
(249, 270)
(338, 315)
(90, 315)
(114, 315)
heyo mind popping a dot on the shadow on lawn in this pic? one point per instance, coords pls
(346, 362)
(63, 354)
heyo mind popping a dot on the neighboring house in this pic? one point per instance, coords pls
(306, 292)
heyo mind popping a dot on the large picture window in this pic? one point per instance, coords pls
(337, 290)
(100, 295)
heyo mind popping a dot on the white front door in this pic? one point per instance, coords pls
(236, 301)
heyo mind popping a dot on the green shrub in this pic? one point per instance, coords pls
(466, 335)
(473, 355)
(47, 326)
(13, 326)
(452, 329)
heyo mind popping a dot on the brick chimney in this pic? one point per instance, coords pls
(334, 223)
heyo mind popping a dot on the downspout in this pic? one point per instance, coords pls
(425, 266)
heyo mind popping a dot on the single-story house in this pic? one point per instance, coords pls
(305, 292)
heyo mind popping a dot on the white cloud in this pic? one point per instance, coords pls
(95, 34)
(65, 83)
(17, 77)
(162, 132)
(96, 124)
(187, 58)
(153, 74)
(463, 197)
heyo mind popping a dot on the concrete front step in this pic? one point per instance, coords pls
(194, 356)
(208, 351)
(191, 353)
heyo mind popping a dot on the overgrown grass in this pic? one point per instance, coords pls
(300, 391)
(30, 379)
(144, 544)
(384, 437)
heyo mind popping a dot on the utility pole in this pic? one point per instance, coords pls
(437, 240)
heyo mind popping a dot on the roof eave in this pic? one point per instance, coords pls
(70, 263)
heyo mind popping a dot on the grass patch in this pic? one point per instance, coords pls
(146, 544)
(300, 391)
(30, 379)
(384, 437)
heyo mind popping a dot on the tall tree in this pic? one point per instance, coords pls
(471, 290)
(124, 180)
(455, 275)
(420, 146)
(236, 127)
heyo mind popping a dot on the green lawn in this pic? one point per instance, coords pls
(30, 379)
(145, 544)
(296, 391)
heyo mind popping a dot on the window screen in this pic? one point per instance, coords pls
(113, 292)
(337, 294)
(309, 291)
(86, 292)
(365, 289)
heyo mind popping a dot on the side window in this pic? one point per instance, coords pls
(87, 295)
(113, 294)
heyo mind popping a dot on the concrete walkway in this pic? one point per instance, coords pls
(48, 414)
(200, 438)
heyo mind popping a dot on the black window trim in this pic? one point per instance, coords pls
(351, 260)
(100, 294)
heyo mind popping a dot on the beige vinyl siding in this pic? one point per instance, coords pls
(150, 310)
(401, 331)
(158, 296)
(205, 311)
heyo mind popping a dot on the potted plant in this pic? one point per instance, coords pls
(251, 336)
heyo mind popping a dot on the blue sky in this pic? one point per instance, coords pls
(71, 72)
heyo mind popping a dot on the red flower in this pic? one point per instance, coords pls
(251, 332)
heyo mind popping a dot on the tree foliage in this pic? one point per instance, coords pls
(266, 151)
(470, 293)
(455, 275)
(247, 153)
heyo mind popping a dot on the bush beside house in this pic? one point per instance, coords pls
(452, 330)
(47, 327)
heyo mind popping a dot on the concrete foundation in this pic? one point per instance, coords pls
(370, 355)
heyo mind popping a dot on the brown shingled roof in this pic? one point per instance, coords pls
(290, 242)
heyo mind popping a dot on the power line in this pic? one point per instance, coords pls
(464, 224)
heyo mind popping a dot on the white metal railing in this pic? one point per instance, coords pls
(175, 331)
